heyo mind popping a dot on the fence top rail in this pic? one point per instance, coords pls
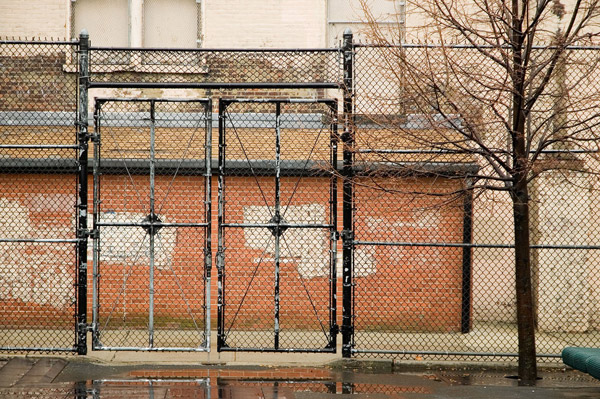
(465, 46)
(40, 42)
(218, 50)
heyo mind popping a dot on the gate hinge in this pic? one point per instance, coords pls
(335, 329)
(347, 236)
(94, 234)
(347, 330)
(94, 138)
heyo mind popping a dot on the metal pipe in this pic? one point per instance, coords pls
(212, 85)
(468, 152)
(152, 228)
(469, 46)
(41, 42)
(82, 191)
(41, 240)
(442, 353)
(280, 225)
(214, 50)
(149, 224)
(333, 210)
(285, 350)
(96, 218)
(208, 218)
(39, 147)
(35, 349)
(152, 349)
(221, 233)
(467, 245)
(467, 258)
(348, 196)
(277, 217)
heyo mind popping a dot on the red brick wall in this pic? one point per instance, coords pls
(397, 288)
(408, 287)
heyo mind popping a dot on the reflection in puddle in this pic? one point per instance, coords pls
(208, 388)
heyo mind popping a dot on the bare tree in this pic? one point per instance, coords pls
(497, 87)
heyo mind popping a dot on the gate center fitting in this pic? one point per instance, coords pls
(277, 231)
(155, 224)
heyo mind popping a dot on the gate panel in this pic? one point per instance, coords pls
(277, 225)
(152, 225)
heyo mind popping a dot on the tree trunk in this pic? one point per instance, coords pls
(525, 304)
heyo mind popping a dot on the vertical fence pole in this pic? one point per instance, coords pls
(277, 218)
(467, 258)
(82, 192)
(348, 203)
(207, 218)
(220, 219)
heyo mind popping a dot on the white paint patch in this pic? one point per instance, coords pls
(33, 273)
(308, 248)
(131, 245)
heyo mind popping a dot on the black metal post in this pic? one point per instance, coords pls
(333, 211)
(221, 219)
(467, 258)
(348, 203)
(277, 219)
(207, 219)
(82, 192)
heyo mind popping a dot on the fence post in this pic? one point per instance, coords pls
(82, 192)
(467, 257)
(348, 196)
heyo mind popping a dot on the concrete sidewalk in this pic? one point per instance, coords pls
(86, 377)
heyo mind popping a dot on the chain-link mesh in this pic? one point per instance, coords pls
(277, 220)
(38, 193)
(433, 263)
(151, 210)
(215, 66)
(434, 268)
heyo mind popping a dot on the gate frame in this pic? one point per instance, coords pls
(331, 346)
(82, 327)
(207, 224)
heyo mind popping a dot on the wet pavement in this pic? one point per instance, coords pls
(43, 377)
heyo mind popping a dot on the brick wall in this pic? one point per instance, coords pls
(408, 287)
(419, 288)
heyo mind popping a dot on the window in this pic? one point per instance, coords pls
(139, 23)
(107, 21)
(342, 14)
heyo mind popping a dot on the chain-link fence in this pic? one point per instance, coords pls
(277, 224)
(432, 246)
(434, 260)
(38, 194)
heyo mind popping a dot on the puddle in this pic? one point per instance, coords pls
(130, 382)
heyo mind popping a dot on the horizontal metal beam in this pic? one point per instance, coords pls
(286, 350)
(38, 146)
(35, 349)
(468, 245)
(213, 85)
(102, 224)
(280, 225)
(287, 51)
(145, 349)
(39, 240)
(447, 353)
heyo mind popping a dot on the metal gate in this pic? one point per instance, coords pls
(277, 222)
(151, 224)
